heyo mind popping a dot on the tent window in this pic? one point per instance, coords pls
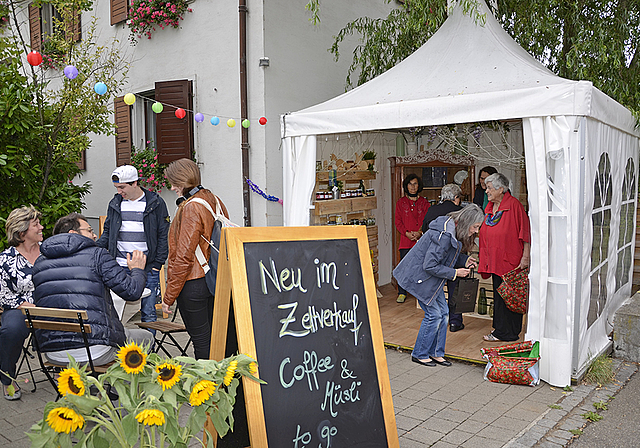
(625, 251)
(601, 219)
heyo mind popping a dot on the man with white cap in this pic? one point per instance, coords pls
(137, 219)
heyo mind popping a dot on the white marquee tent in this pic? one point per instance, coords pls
(581, 152)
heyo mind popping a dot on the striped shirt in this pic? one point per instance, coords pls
(131, 236)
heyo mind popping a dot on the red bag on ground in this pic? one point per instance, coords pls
(513, 364)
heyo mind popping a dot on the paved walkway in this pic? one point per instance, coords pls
(436, 407)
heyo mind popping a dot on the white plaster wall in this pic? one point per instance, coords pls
(205, 49)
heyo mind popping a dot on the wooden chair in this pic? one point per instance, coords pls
(167, 329)
(59, 320)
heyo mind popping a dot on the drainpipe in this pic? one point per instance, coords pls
(242, 8)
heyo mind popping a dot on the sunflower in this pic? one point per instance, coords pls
(64, 420)
(70, 382)
(132, 358)
(201, 392)
(151, 417)
(231, 370)
(253, 368)
(168, 374)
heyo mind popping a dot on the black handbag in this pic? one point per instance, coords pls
(463, 299)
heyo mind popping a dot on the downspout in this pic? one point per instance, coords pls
(242, 8)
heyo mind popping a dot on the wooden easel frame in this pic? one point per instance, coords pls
(232, 278)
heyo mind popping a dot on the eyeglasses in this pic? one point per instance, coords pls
(90, 230)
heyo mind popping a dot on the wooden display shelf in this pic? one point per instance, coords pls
(323, 176)
(347, 205)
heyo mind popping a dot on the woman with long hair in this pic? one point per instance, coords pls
(186, 282)
(440, 255)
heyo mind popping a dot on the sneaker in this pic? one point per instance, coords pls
(401, 298)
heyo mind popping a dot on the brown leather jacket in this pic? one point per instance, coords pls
(191, 221)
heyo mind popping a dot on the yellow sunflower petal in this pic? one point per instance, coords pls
(231, 370)
(151, 417)
(65, 420)
(132, 358)
(201, 392)
(168, 374)
(70, 382)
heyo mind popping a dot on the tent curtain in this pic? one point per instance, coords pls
(299, 178)
(550, 152)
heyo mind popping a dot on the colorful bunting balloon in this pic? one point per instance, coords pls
(262, 121)
(199, 117)
(100, 88)
(215, 121)
(129, 98)
(180, 113)
(246, 123)
(34, 58)
(231, 122)
(157, 107)
(70, 72)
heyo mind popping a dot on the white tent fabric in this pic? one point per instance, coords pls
(471, 73)
(298, 177)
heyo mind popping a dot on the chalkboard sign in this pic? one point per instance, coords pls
(305, 307)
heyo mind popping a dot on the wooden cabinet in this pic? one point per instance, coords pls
(349, 209)
(441, 167)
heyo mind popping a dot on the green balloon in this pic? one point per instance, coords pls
(157, 107)
(246, 123)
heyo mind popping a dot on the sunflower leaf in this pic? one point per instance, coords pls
(124, 391)
(130, 426)
(169, 396)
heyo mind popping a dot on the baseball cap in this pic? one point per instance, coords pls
(124, 173)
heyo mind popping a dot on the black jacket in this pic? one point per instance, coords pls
(440, 209)
(73, 273)
(156, 224)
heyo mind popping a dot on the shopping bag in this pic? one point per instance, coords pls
(514, 290)
(513, 364)
(463, 299)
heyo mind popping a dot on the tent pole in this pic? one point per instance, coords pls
(575, 356)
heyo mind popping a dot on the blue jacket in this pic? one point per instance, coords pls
(73, 273)
(432, 261)
(156, 224)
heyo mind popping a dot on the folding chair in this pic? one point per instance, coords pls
(59, 320)
(167, 329)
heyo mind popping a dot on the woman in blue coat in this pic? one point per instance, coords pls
(442, 255)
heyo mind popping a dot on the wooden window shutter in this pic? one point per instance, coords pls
(122, 118)
(82, 163)
(73, 28)
(35, 27)
(119, 11)
(174, 137)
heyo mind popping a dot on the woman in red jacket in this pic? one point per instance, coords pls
(410, 211)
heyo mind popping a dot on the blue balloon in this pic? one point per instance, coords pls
(70, 72)
(100, 88)
(215, 121)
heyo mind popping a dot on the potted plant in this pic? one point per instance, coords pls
(145, 15)
(370, 157)
(150, 171)
(152, 391)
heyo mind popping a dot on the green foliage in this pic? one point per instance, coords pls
(555, 406)
(600, 371)
(145, 15)
(576, 432)
(567, 389)
(150, 171)
(592, 416)
(600, 405)
(595, 40)
(44, 129)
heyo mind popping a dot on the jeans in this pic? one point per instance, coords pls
(13, 332)
(433, 329)
(148, 304)
(195, 303)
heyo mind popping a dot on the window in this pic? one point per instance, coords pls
(173, 137)
(45, 21)
(627, 210)
(601, 219)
